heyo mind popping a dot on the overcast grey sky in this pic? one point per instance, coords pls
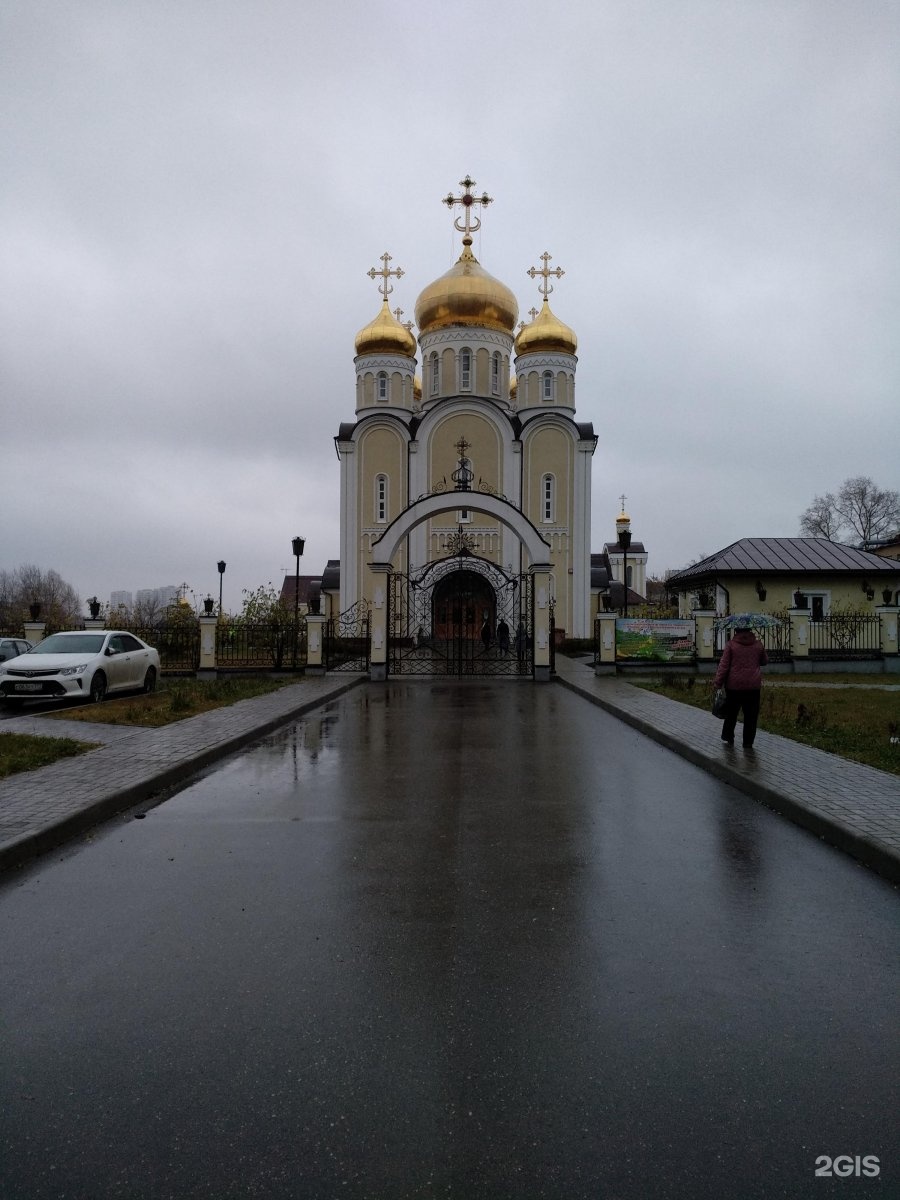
(193, 192)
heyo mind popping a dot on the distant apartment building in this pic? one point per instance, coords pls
(157, 598)
(121, 600)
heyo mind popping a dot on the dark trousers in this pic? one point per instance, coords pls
(734, 702)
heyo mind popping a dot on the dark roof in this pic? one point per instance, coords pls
(331, 576)
(308, 585)
(790, 556)
(615, 548)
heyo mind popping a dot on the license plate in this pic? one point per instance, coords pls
(29, 687)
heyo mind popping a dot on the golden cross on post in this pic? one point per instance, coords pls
(398, 313)
(623, 498)
(468, 202)
(532, 312)
(384, 287)
(461, 447)
(545, 287)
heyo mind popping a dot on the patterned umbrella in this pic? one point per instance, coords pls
(747, 620)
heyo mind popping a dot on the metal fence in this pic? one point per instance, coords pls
(266, 646)
(178, 644)
(845, 635)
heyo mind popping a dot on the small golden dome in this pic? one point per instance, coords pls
(466, 295)
(513, 387)
(417, 387)
(546, 333)
(623, 519)
(385, 335)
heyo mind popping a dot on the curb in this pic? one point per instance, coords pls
(19, 851)
(875, 855)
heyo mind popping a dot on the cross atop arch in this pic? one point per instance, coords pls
(545, 287)
(470, 223)
(384, 287)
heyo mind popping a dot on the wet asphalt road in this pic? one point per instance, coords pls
(475, 941)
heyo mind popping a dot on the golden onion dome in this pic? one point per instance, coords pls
(513, 387)
(385, 335)
(623, 519)
(417, 387)
(546, 333)
(466, 295)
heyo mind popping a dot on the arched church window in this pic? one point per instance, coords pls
(495, 374)
(465, 370)
(548, 498)
(381, 499)
(547, 385)
(435, 374)
(382, 385)
(628, 576)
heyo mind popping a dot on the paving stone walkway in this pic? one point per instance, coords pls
(849, 805)
(853, 807)
(41, 809)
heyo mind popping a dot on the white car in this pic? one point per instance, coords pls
(84, 664)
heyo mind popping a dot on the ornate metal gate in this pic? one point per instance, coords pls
(347, 640)
(461, 616)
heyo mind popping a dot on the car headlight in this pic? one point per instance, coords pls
(80, 670)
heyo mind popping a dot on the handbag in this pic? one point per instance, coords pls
(718, 704)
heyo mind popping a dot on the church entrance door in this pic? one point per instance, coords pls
(461, 616)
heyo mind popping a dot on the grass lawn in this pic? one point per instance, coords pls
(174, 700)
(857, 723)
(19, 752)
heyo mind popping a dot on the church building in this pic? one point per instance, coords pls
(465, 451)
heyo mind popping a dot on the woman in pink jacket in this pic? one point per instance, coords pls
(740, 675)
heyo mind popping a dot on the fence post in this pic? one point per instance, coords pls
(207, 667)
(542, 606)
(799, 635)
(605, 635)
(379, 581)
(315, 637)
(888, 615)
(704, 638)
(34, 631)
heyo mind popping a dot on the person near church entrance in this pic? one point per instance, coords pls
(503, 636)
(486, 635)
(520, 640)
(740, 675)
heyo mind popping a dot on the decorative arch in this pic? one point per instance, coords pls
(386, 546)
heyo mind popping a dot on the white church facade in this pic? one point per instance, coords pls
(466, 450)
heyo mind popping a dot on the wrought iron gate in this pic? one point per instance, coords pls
(347, 640)
(461, 616)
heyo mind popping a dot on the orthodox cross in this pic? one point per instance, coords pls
(384, 287)
(463, 475)
(623, 498)
(398, 313)
(470, 223)
(532, 312)
(545, 287)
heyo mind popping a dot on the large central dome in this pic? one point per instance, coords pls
(466, 295)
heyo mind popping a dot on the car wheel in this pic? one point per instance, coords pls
(150, 680)
(98, 687)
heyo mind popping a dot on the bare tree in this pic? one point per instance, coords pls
(28, 584)
(859, 514)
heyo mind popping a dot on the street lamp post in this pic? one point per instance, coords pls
(624, 536)
(297, 545)
(221, 566)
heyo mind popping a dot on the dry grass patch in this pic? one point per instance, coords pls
(856, 723)
(21, 752)
(175, 700)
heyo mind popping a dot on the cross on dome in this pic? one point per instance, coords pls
(384, 287)
(545, 287)
(398, 313)
(470, 223)
(623, 498)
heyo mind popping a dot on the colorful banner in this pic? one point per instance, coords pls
(654, 641)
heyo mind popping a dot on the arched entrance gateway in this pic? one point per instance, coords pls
(462, 614)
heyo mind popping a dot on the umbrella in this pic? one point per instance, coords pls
(748, 619)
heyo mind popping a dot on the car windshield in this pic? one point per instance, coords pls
(63, 643)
